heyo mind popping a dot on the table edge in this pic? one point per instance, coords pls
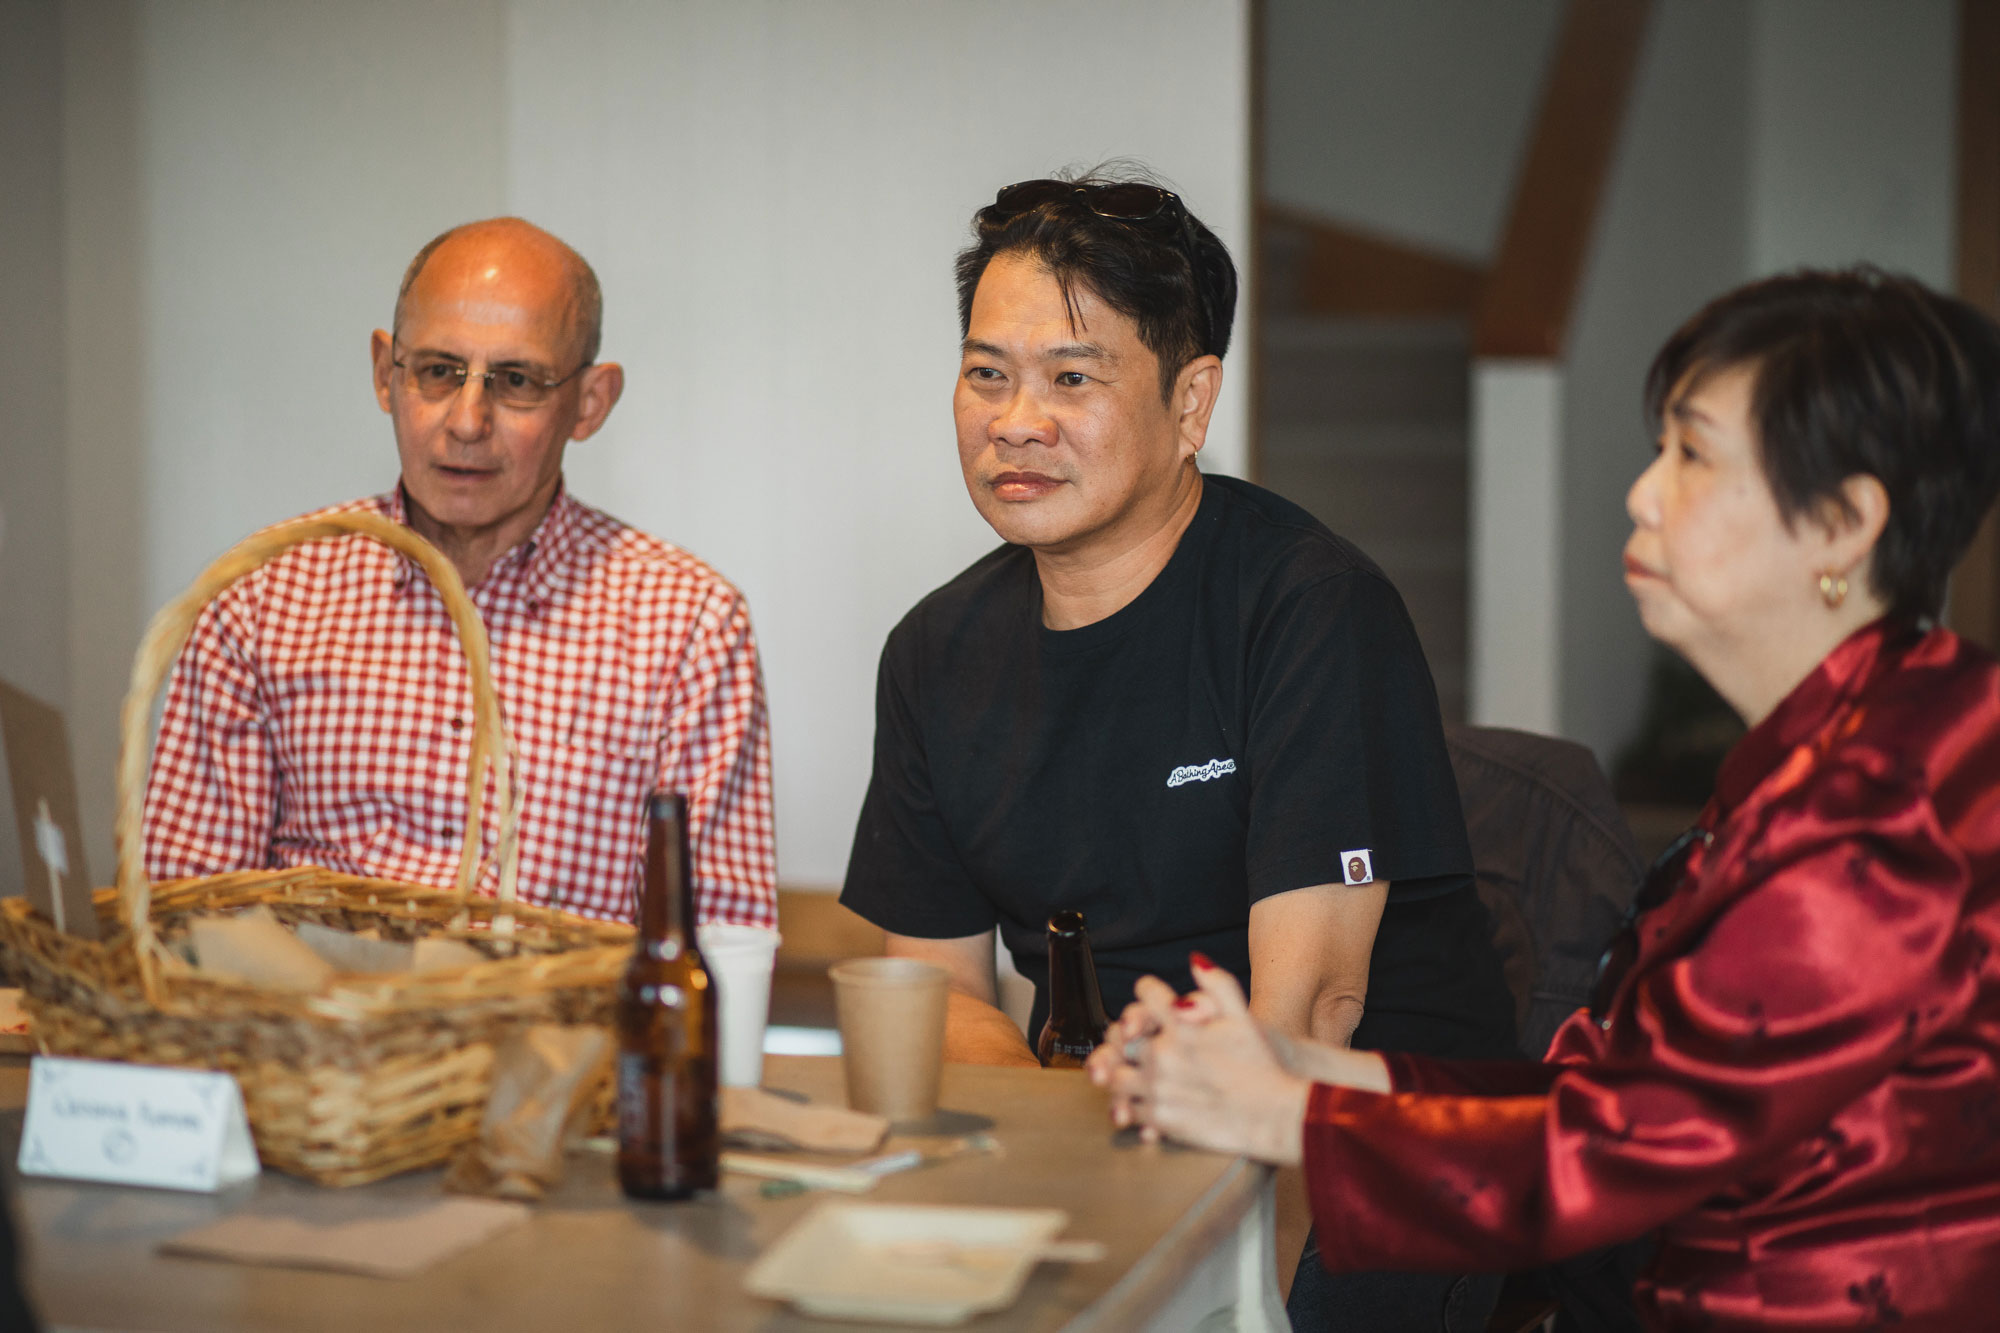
(1149, 1284)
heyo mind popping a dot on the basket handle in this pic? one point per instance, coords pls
(162, 644)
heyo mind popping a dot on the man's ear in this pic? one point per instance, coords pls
(600, 390)
(1195, 391)
(382, 353)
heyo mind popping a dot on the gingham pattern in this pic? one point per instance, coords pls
(320, 715)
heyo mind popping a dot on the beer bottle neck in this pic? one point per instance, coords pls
(666, 899)
(1073, 992)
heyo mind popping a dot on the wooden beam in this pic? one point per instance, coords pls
(1975, 585)
(1347, 271)
(817, 930)
(1525, 308)
(1979, 154)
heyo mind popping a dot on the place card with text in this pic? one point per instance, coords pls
(180, 1129)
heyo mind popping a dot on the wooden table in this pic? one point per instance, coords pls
(1188, 1236)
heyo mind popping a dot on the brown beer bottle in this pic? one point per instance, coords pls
(668, 1139)
(1076, 1023)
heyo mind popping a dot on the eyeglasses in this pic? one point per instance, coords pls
(1656, 888)
(437, 378)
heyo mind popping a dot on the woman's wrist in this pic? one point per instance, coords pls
(1282, 1140)
(1286, 1048)
(1341, 1066)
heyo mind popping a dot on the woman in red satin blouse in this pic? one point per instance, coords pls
(1792, 1067)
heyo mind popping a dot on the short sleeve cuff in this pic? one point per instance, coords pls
(901, 914)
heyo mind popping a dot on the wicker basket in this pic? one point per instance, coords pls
(373, 1074)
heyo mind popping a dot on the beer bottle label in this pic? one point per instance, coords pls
(635, 1116)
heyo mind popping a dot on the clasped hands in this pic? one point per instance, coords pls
(1201, 1070)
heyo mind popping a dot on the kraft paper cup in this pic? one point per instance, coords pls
(891, 1034)
(740, 959)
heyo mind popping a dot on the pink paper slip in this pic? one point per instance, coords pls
(398, 1246)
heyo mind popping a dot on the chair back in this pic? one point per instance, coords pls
(1555, 862)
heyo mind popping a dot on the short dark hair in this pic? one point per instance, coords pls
(1168, 274)
(1857, 371)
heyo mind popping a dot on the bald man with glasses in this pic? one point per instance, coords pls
(321, 714)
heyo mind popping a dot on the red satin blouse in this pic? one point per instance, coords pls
(1798, 1082)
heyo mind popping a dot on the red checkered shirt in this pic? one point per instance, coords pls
(321, 714)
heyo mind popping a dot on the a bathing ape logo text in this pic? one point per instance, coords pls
(1214, 768)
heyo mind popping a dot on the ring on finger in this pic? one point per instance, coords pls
(1132, 1049)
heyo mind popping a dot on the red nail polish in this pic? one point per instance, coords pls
(1200, 959)
(1185, 1002)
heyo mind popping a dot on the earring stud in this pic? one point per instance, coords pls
(1832, 589)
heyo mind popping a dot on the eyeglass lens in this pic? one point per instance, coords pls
(437, 378)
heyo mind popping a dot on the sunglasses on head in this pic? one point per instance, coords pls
(1122, 201)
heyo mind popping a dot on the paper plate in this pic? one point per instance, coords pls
(905, 1263)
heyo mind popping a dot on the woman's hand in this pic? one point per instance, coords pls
(1202, 1071)
(1127, 1037)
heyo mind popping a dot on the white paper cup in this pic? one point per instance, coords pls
(740, 959)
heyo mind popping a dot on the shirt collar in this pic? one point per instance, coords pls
(1791, 733)
(534, 566)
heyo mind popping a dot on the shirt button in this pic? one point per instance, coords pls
(448, 830)
(458, 724)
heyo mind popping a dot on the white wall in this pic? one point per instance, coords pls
(792, 182)
(104, 366)
(287, 176)
(1761, 137)
(1670, 234)
(771, 193)
(1413, 119)
(1758, 137)
(241, 186)
(34, 537)
(1514, 493)
(1852, 104)
(1405, 119)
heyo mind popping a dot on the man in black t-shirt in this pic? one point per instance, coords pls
(1257, 722)
(1177, 704)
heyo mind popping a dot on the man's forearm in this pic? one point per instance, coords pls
(1334, 1018)
(1328, 1015)
(1309, 955)
(976, 1033)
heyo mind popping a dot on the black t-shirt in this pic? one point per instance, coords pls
(1253, 722)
